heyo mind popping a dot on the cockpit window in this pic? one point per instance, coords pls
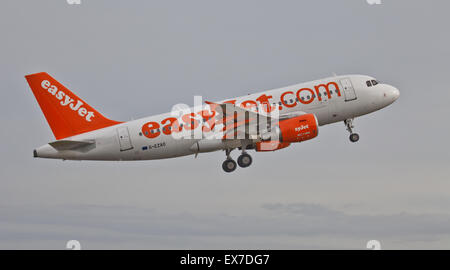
(369, 84)
(374, 82)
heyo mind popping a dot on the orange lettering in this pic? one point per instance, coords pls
(303, 101)
(285, 104)
(189, 121)
(172, 126)
(150, 130)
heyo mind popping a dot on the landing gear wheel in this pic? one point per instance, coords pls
(229, 165)
(244, 160)
(354, 137)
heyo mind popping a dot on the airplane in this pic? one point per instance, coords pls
(265, 122)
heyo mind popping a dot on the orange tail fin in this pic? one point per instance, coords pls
(66, 113)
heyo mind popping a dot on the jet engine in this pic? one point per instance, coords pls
(297, 129)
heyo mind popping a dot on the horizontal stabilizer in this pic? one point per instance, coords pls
(62, 145)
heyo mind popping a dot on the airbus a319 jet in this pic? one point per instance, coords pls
(266, 121)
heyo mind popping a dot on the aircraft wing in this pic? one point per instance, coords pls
(241, 123)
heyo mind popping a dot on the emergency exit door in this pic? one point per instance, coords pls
(124, 138)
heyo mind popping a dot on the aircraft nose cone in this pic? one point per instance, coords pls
(391, 93)
(395, 93)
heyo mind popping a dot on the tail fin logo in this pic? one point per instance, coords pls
(66, 100)
(67, 114)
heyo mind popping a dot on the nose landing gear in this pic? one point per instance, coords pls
(354, 137)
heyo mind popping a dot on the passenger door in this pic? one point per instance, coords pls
(349, 91)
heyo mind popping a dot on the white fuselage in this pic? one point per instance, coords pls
(126, 141)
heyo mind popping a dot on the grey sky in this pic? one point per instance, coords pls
(131, 59)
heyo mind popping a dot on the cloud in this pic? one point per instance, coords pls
(299, 225)
(319, 219)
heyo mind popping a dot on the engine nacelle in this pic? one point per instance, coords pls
(292, 130)
(298, 129)
(270, 146)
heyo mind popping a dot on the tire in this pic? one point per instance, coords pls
(229, 165)
(354, 137)
(244, 160)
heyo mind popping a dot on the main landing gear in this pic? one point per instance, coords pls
(244, 160)
(354, 137)
(229, 164)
